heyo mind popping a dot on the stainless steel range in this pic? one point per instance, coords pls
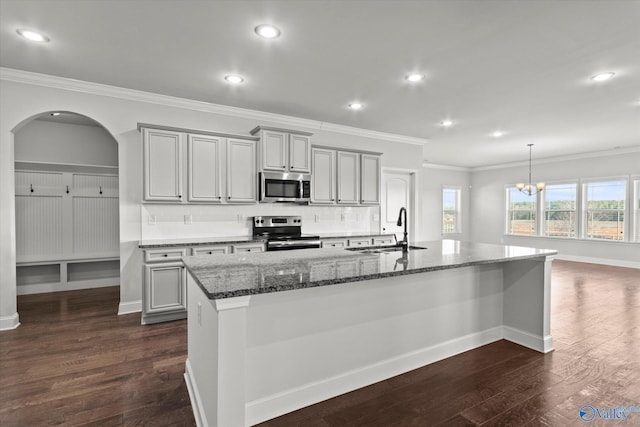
(283, 233)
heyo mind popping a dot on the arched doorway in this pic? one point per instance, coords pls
(66, 204)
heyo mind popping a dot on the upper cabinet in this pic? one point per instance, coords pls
(345, 177)
(323, 178)
(283, 150)
(204, 168)
(219, 168)
(241, 171)
(369, 179)
(162, 165)
(348, 177)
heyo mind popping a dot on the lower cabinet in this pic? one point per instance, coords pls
(165, 291)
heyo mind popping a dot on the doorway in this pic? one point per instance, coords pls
(398, 190)
(66, 204)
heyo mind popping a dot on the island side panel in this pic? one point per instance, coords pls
(307, 345)
(527, 303)
(215, 367)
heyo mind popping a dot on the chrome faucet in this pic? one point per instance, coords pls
(404, 243)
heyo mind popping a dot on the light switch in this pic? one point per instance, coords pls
(316, 218)
(152, 220)
(188, 219)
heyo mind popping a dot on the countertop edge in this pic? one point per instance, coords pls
(359, 278)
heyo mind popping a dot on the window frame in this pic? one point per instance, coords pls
(543, 210)
(634, 207)
(458, 210)
(625, 211)
(536, 222)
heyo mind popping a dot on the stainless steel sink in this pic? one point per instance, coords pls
(384, 249)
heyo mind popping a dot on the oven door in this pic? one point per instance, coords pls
(289, 244)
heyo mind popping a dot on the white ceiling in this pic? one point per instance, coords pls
(520, 66)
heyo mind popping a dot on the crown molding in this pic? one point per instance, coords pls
(428, 165)
(578, 156)
(27, 77)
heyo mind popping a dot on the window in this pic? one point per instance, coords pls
(636, 210)
(521, 213)
(603, 216)
(560, 210)
(451, 210)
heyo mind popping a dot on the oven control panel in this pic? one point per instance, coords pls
(277, 221)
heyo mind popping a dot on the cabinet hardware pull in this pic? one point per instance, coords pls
(165, 255)
(180, 196)
(31, 186)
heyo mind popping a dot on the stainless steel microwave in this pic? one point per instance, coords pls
(284, 187)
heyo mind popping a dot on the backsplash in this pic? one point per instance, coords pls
(179, 221)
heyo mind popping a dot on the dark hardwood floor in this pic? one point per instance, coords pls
(73, 361)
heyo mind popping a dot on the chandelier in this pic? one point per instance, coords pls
(529, 188)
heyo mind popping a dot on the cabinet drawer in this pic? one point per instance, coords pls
(334, 243)
(253, 247)
(210, 250)
(384, 241)
(167, 254)
(360, 242)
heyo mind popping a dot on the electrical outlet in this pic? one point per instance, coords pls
(241, 218)
(342, 217)
(152, 220)
(357, 217)
(316, 218)
(188, 219)
(199, 313)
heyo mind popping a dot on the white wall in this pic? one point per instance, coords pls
(488, 205)
(49, 142)
(119, 111)
(434, 178)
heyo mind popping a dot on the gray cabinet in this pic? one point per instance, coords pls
(284, 150)
(323, 178)
(348, 169)
(162, 165)
(204, 168)
(369, 179)
(241, 171)
(165, 278)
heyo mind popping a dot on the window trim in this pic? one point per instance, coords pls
(458, 224)
(584, 211)
(507, 200)
(542, 216)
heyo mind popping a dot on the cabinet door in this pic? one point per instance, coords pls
(165, 288)
(162, 165)
(348, 177)
(203, 178)
(323, 184)
(299, 153)
(242, 176)
(274, 150)
(370, 179)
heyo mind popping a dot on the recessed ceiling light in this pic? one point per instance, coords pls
(234, 79)
(356, 106)
(415, 77)
(267, 31)
(603, 76)
(55, 114)
(34, 36)
(446, 123)
(497, 134)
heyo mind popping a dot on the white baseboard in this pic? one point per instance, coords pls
(8, 323)
(194, 396)
(41, 288)
(269, 407)
(603, 261)
(527, 339)
(130, 307)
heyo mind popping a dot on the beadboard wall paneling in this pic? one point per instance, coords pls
(95, 225)
(39, 226)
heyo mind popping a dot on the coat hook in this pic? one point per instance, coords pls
(67, 189)
(100, 189)
(31, 185)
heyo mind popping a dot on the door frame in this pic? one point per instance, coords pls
(412, 213)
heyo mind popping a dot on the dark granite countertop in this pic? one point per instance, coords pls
(196, 241)
(232, 275)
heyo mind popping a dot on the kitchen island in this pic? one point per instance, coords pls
(272, 332)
